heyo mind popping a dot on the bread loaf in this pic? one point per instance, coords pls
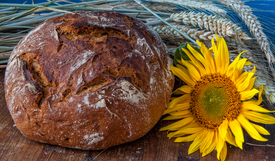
(88, 80)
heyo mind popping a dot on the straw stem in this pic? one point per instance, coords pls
(183, 34)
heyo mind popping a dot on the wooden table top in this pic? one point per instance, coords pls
(153, 146)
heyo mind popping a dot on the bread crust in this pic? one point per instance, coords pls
(88, 80)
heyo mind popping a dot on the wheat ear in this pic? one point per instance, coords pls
(167, 32)
(254, 25)
(221, 26)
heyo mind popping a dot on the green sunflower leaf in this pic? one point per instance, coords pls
(179, 53)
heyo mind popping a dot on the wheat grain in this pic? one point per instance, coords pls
(254, 25)
(221, 26)
(193, 33)
(197, 4)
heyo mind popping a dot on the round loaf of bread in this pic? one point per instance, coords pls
(88, 80)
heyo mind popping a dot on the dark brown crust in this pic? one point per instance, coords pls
(88, 80)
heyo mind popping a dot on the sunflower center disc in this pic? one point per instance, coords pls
(213, 99)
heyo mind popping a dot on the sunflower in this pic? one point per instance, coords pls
(216, 102)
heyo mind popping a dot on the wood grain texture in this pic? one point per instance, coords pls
(154, 146)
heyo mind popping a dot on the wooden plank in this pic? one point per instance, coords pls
(4, 113)
(154, 146)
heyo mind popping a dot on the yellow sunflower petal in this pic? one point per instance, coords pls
(240, 66)
(183, 89)
(244, 76)
(223, 128)
(181, 99)
(229, 138)
(224, 152)
(238, 79)
(248, 94)
(207, 141)
(178, 107)
(212, 146)
(224, 55)
(217, 59)
(177, 125)
(196, 54)
(259, 117)
(197, 64)
(210, 65)
(187, 138)
(251, 84)
(260, 129)
(220, 145)
(192, 124)
(230, 71)
(182, 131)
(183, 76)
(260, 99)
(248, 63)
(242, 86)
(185, 131)
(237, 131)
(183, 68)
(213, 44)
(254, 107)
(197, 142)
(239, 143)
(199, 43)
(192, 70)
(249, 128)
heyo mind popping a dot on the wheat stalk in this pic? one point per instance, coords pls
(152, 6)
(197, 4)
(221, 26)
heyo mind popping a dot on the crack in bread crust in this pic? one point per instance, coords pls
(34, 73)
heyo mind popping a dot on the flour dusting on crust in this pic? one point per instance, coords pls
(130, 93)
(100, 104)
(81, 59)
(93, 138)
